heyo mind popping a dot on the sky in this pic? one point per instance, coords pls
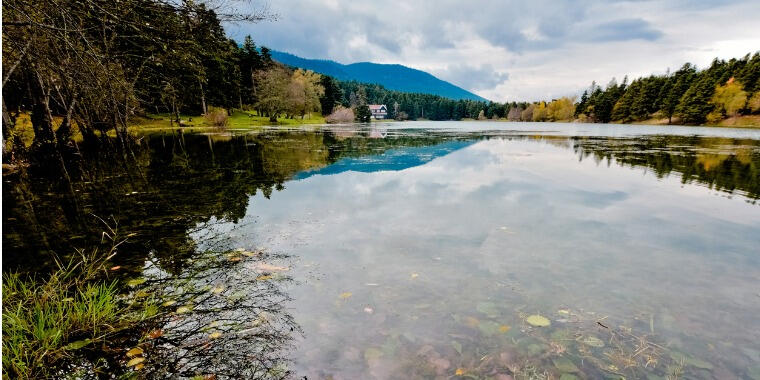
(514, 50)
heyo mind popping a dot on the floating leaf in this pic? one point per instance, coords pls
(136, 281)
(415, 275)
(563, 311)
(592, 341)
(78, 344)
(372, 353)
(488, 308)
(139, 367)
(217, 289)
(157, 333)
(488, 328)
(134, 352)
(345, 295)
(237, 296)
(504, 329)
(457, 346)
(264, 267)
(183, 309)
(537, 320)
(565, 365)
(459, 372)
(215, 335)
(169, 303)
(135, 362)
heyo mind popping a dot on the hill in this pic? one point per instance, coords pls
(393, 77)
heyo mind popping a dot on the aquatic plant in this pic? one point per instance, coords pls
(48, 323)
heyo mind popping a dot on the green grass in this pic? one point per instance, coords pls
(50, 321)
(238, 120)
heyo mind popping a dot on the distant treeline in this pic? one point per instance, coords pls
(725, 89)
(88, 67)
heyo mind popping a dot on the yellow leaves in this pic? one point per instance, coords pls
(264, 277)
(504, 329)
(169, 303)
(459, 372)
(730, 97)
(134, 352)
(563, 311)
(183, 309)
(134, 362)
(345, 295)
(414, 275)
(537, 320)
(215, 335)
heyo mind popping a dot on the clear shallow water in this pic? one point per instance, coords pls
(419, 250)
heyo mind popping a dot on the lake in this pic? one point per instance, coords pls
(479, 250)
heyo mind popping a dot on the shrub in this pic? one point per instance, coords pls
(216, 117)
(341, 115)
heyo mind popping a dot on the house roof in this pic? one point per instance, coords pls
(377, 106)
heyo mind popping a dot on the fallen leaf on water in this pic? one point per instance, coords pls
(77, 345)
(134, 352)
(345, 295)
(264, 267)
(135, 281)
(135, 362)
(504, 328)
(537, 320)
(471, 321)
(415, 275)
(592, 341)
(217, 289)
(457, 346)
(215, 335)
(459, 372)
(563, 311)
(169, 303)
(157, 333)
(183, 309)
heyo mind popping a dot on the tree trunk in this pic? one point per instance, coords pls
(63, 134)
(42, 119)
(203, 99)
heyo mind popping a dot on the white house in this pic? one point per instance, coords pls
(379, 111)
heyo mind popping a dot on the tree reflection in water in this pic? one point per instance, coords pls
(224, 315)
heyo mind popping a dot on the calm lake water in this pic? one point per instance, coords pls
(428, 249)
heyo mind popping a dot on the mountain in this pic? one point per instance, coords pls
(393, 77)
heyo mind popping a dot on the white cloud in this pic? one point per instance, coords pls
(547, 48)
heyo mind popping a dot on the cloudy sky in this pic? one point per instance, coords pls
(515, 50)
